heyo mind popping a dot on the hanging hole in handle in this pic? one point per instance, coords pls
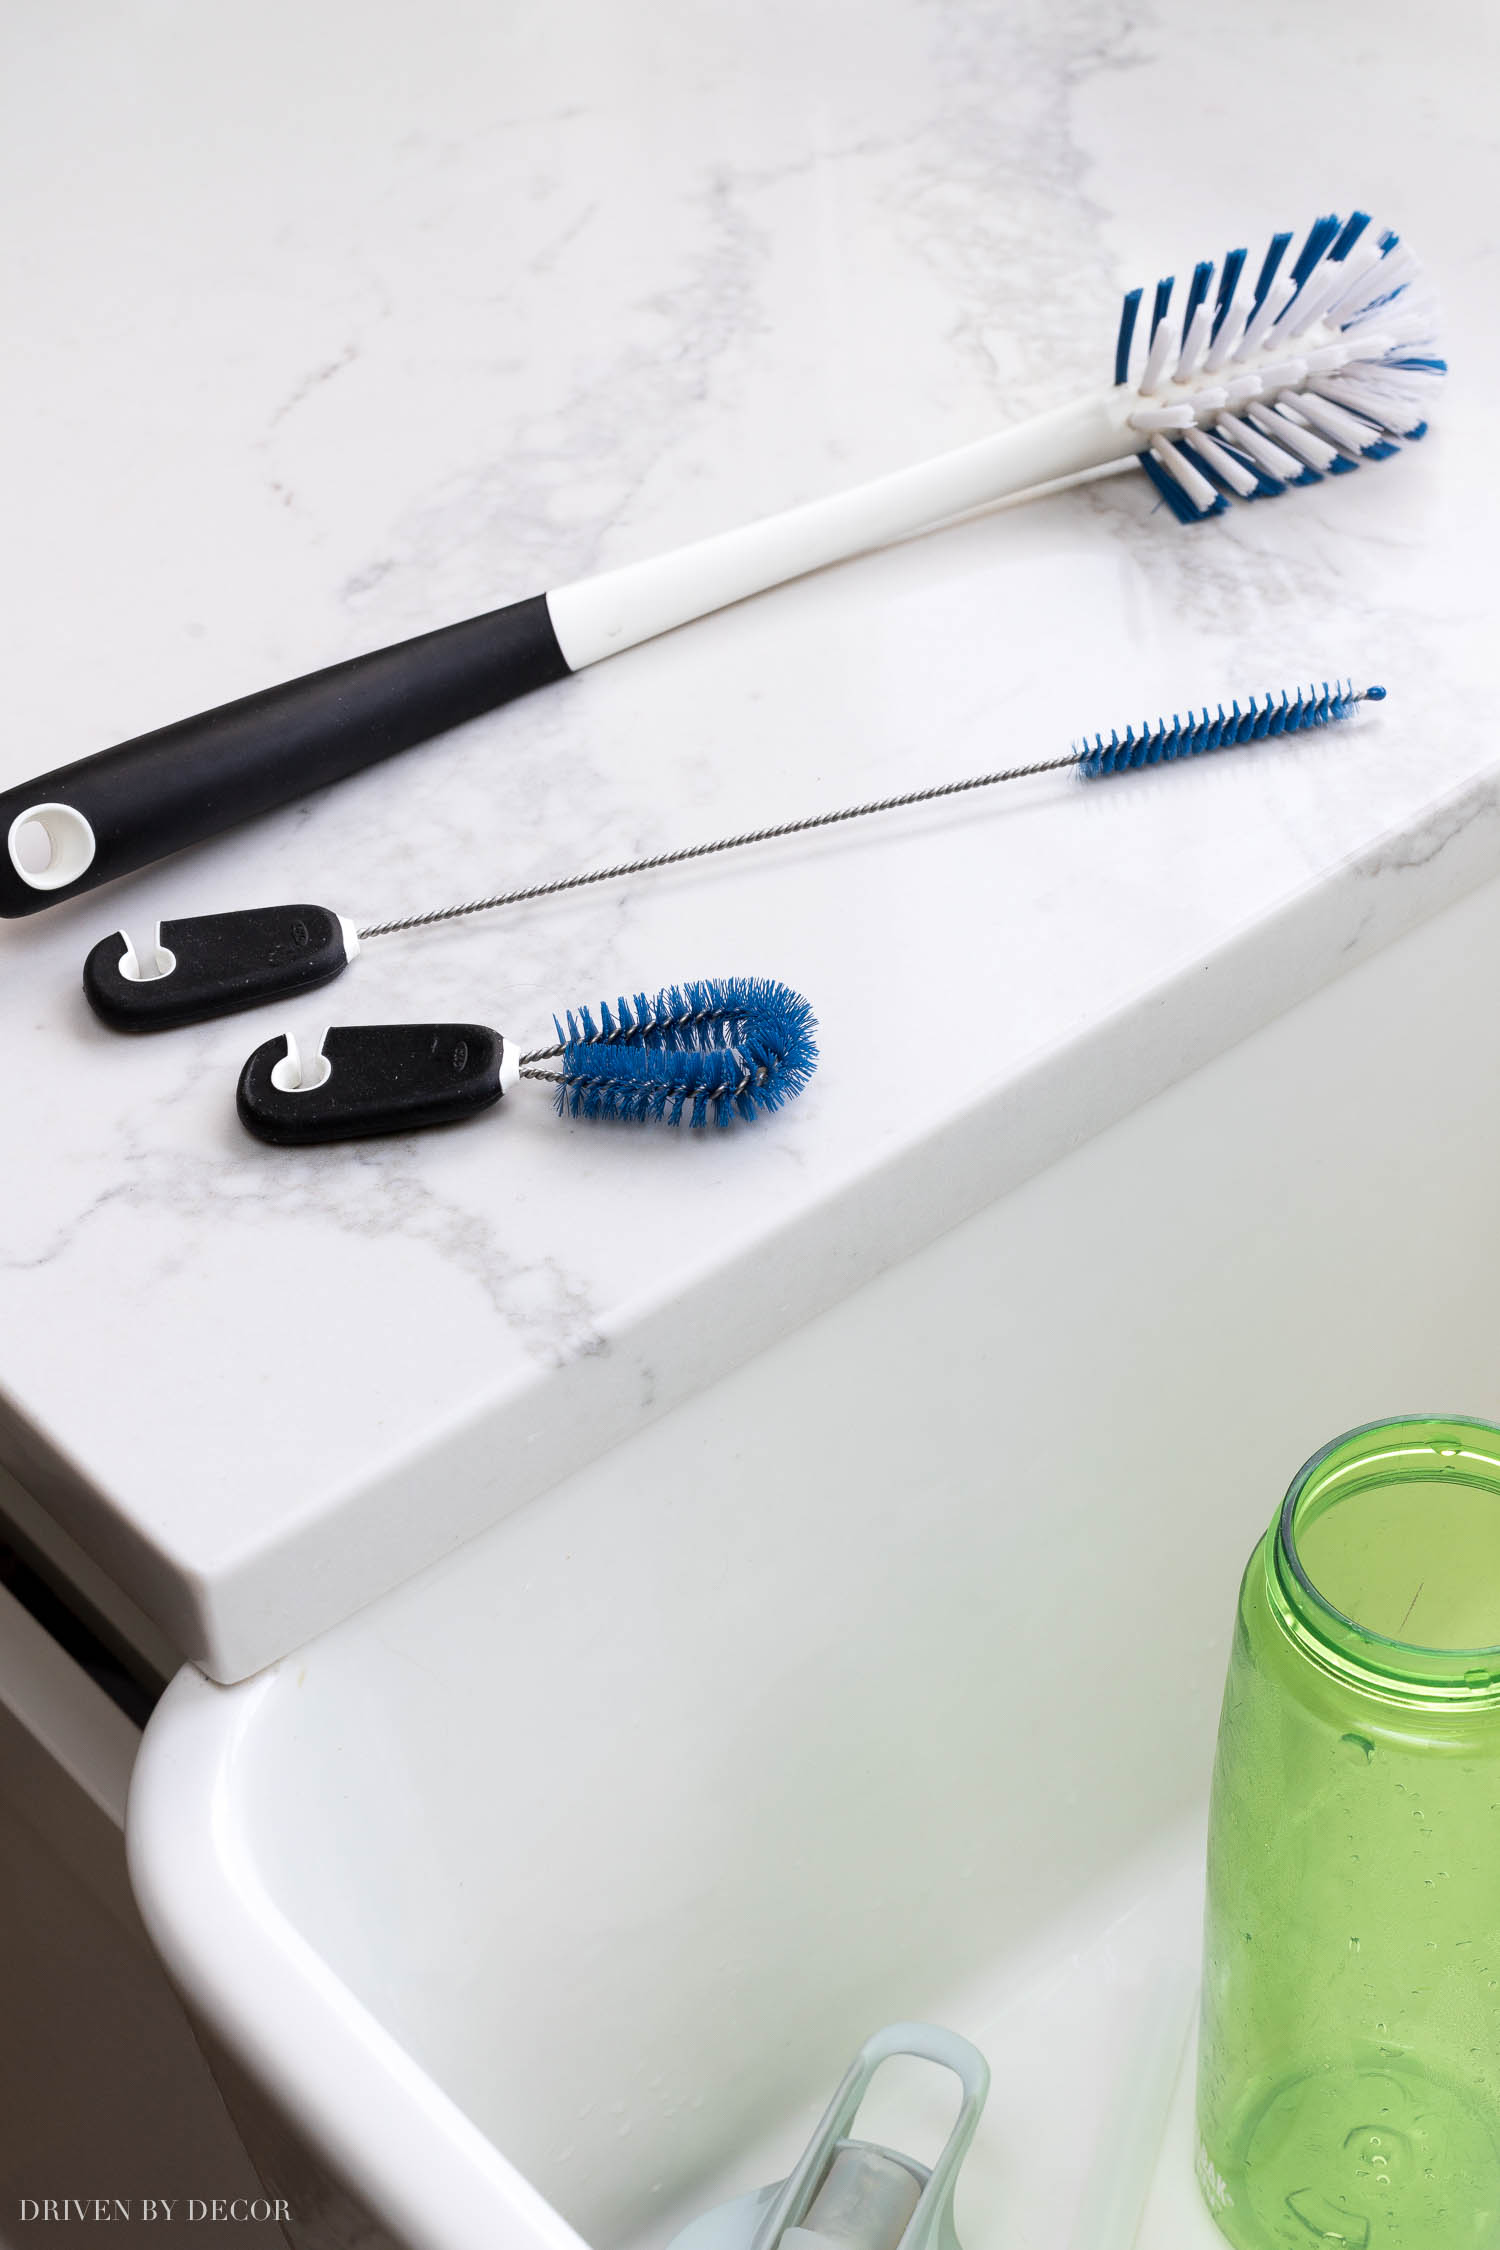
(294, 1076)
(32, 848)
(50, 846)
(152, 961)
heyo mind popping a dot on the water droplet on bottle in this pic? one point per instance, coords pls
(1359, 1747)
(1381, 2152)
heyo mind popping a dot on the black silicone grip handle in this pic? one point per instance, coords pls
(194, 779)
(381, 1078)
(220, 963)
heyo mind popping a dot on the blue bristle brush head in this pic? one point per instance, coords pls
(1200, 731)
(1326, 362)
(698, 1054)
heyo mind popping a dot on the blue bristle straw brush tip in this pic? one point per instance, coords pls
(1259, 721)
(698, 1054)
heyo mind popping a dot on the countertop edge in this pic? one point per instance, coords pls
(371, 1538)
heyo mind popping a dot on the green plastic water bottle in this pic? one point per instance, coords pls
(1349, 2065)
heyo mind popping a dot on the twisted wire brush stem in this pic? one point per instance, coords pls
(1149, 745)
(648, 1020)
(583, 1083)
(722, 844)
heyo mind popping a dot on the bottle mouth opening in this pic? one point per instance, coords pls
(1387, 1555)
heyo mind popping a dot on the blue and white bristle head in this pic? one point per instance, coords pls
(697, 1054)
(1301, 373)
(1221, 730)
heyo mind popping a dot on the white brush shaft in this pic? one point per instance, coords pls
(599, 616)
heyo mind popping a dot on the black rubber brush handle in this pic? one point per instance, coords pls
(215, 965)
(377, 1078)
(185, 782)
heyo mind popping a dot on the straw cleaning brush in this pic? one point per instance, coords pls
(209, 965)
(1273, 372)
(700, 1054)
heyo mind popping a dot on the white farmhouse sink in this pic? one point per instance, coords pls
(554, 1891)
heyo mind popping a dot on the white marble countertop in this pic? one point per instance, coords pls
(326, 325)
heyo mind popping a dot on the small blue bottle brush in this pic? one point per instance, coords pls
(698, 1054)
(214, 964)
